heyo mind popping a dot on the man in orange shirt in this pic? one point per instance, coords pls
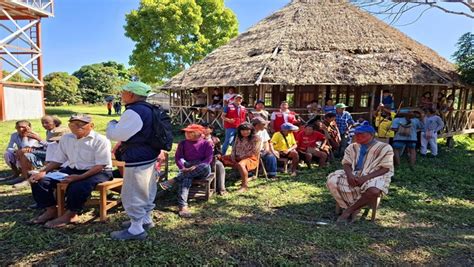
(310, 143)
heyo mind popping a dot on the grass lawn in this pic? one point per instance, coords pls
(427, 218)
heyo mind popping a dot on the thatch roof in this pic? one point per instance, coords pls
(318, 42)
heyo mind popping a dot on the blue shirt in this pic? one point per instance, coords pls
(343, 121)
(416, 125)
(329, 109)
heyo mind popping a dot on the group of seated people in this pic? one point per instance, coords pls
(85, 156)
(76, 155)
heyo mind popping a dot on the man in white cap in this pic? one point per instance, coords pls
(84, 159)
(134, 131)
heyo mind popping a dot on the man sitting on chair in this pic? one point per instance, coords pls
(368, 168)
(88, 163)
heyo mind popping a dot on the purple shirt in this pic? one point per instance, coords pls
(200, 150)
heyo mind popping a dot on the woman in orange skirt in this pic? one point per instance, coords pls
(244, 156)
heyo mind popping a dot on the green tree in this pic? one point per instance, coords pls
(96, 81)
(17, 77)
(464, 57)
(170, 35)
(60, 87)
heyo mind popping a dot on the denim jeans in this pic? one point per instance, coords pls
(220, 176)
(229, 139)
(185, 180)
(270, 162)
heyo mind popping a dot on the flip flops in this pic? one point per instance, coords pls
(166, 185)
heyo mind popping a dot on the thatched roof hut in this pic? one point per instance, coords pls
(319, 42)
(319, 49)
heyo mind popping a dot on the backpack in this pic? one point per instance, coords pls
(404, 129)
(162, 138)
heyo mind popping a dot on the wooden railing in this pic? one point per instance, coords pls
(457, 122)
(184, 115)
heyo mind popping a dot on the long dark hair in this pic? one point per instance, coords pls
(245, 126)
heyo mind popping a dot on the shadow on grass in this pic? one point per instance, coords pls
(275, 223)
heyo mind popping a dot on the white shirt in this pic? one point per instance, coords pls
(264, 136)
(51, 152)
(130, 123)
(85, 153)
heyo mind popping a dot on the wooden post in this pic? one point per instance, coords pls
(2, 98)
(372, 103)
(435, 96)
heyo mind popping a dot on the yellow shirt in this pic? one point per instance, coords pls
(279, 143)
(384, 126)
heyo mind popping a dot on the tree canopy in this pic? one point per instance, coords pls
(100, 80)
(464, 57)
(170, 35)
(60, 87)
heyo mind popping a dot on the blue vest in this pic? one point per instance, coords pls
(138, 150)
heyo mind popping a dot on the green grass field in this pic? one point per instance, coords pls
(427, 219)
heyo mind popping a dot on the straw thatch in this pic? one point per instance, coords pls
(319, 42)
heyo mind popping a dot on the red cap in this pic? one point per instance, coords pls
(194, 128)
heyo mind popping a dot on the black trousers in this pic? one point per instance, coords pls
(77, 192)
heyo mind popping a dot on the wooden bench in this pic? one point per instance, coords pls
(373, 206)
(104, 203)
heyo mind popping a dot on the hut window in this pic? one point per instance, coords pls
(350, 100)
(342, 98)
(457, 98)
(364, 100)
(469, 99)
(268, 97)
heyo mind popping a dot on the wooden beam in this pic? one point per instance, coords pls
(372, 103)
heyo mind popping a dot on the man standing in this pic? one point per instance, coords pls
(278, 118)
(84, 156)
(344, 122)
(368, 168)
(135, 130)
(234, 114)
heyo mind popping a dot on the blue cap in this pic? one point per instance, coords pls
(364, 127)
(288, 127)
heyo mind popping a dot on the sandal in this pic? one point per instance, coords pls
(166, 185)
(184, 214)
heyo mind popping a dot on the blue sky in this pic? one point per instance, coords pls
(90, 31)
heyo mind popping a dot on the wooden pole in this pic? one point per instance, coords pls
(372, 103)
(435, 96)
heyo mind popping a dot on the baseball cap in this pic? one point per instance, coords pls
(57, 133)
(194, 128)
(341, 105)
(81, 117)
(259, 120)
(137, 88)
(288, 127)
